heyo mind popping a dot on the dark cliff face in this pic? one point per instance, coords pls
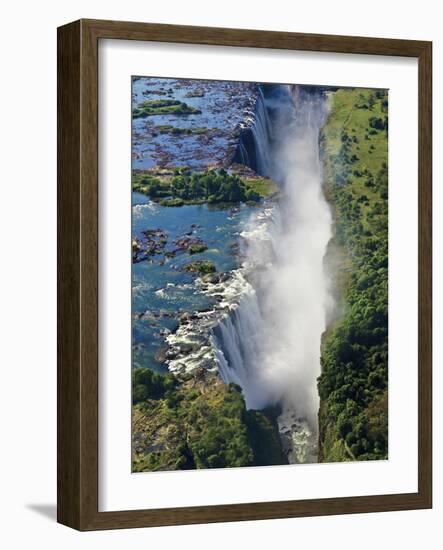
(246, 152)
(269, 101)
(258, 130)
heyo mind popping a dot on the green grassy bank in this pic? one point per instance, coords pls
(353, 416)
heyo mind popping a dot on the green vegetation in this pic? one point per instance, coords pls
(163, 107)
(353, 384)
(202, 267)
(263, 437)
(148, 184)
(199, 423)
(197, 248)
(174, 130)
(264, 187)
(172, 202)
(147, 384)
(212, 187)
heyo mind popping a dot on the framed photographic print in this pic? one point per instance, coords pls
(244, 275)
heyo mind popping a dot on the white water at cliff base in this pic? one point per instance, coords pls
(270, 343)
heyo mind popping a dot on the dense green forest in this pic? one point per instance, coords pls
(197, 421)
(212, 186)
(353, 385)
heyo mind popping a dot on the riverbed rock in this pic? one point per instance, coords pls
(151, 242)
(193, 245)
(161, 354)
(212, 278)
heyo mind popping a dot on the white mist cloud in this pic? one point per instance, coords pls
(295, 289)
(271, 345)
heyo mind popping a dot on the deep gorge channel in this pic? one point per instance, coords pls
(270, 343)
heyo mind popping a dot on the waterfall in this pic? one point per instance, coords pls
(255, 142)
(270, 343)
(237, 349)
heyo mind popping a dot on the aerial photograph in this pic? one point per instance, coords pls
(259, 274)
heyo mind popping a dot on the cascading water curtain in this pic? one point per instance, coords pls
(270, 344)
